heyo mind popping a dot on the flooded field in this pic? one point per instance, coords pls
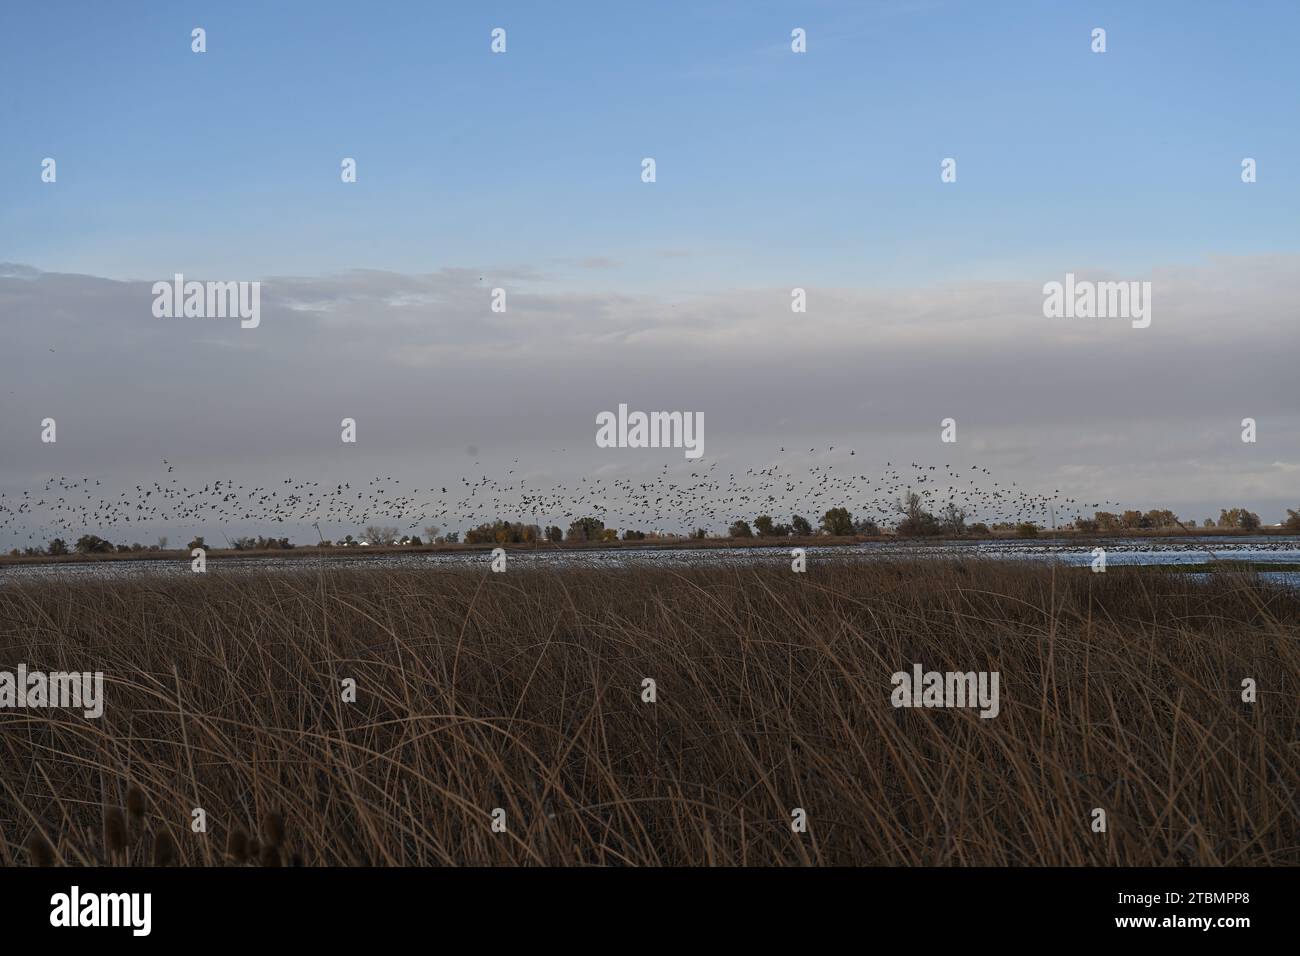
(1119, 552)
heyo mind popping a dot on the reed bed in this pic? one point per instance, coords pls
(523, 693)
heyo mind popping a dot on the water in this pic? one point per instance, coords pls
(1119, 552)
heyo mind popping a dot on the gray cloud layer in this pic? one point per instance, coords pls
(1095, 407)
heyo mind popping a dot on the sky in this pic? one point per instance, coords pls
(774, 170)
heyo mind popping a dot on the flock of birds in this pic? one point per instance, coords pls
(678, 501)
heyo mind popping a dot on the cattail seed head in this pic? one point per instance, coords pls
(273, 828)
(135, 803)
(270, 855)
(39, 849)
(237, 845)
(254, 848)
(114, 830)
(164, 849)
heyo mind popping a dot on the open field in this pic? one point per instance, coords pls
(523, 691)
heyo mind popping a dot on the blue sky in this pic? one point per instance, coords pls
(773, 168)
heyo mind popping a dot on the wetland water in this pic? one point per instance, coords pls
(1119, 552)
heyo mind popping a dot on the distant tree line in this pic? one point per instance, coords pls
(253, 544)
(87, 544)
(1233, 518)
(913, 520)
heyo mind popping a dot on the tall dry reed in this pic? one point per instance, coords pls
(523, 691)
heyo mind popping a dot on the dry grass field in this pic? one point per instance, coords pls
(523, 691)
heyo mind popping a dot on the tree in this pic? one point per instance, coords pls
(162, 543)
(740, 529)
(866, 526)
(93, 544)
(1107, 520)
(431, 532)
(261, 543)
(1161, 518)
(554, 535)
(58, 546)
(196, 543)
(1238, 518)
(916, 520)
(800, 525)
(586, 529)
(1133, 519)
(498, 532)
(1026, 529)
(1292, 520)
(380, 535)
(952, 519)
(763, 525)
(837, 522)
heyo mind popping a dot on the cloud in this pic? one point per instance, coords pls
(12, 270)
(1151, 414)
